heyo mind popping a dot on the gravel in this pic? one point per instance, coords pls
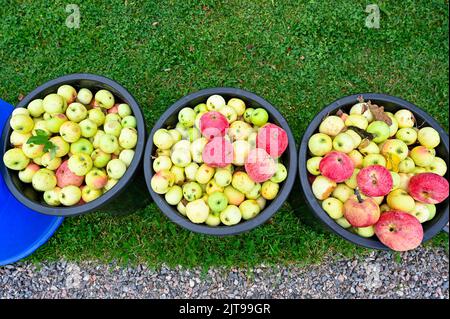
(422, 273)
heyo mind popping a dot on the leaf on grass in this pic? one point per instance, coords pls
(379, 114)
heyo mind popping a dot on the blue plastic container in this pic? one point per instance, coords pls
(22, 230)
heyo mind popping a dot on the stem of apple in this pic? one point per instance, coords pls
(358, 195)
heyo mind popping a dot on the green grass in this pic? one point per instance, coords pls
(299, 55)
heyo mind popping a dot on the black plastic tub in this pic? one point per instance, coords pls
(318, 217)
(126, 196)
(289, 158)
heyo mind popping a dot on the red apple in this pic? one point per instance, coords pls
(273, 139)
(213, 124)
(428, 188)
(218, 152)
(361, 212)
(337, 166)
(399, 231)
(374, 181)
(259, 165)
(114, 109)
(65, 177)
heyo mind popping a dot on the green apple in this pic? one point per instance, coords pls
(200, 108)
(110, 184)
(395, 180)
(50, 163)
(418, 170)
(380, 131)
(80, 164)
(108, 143)
(396, 147)
(406, 166)
(356, 158)
(404, 180)
(54, 103)
(370, 148)
(99, 158)
(55, 122)
(342, 192)
(249, 209)
(20, 111)
(259, 117)
(181, 157)
(44, 180)
(394, 125)
(331, 125)
(355, 136)
(113, 128)
(261, 201)
(82, 146)
(431, 211)
(407, 135)
(70, 195)
(15, 159)
(239, 130)
(191, 171)
(112, 117)
(197, 211)
(217, 202)
(18, 139)
(428, 137)
(322, 187)
(422, 156)
(192, 191)
(374, 159)
(242, 182)
(213, 219)
(70, 131)
(97, 116)
(229, 113)
(95, 140)
(51, 197)
(33, 150)
(76, 112)
(126, 156)
(280, 174)
(215, 102)
(404, 118)
(116, 168)
(104, 99)
(399, 199)
(193, 134)
(241, 148)
(68, 92)
(269, 190)
(333, 207)
(231, 215)
(365, 231)
(174, 195)
(223, 177)
(26, 175)
(320, 144)
(163, 139)
(178, 173)
(181, 208)
(187, 117)
(129, 121)
(36, 108)
(343, 143)
(128, 138)
(358, 108)
(212, 187)
(84, 96)
(88, 194)
(312, 165)
(204, 174)
(196, 149)
(88, 128)
(343, 222)
(22, 123)
(175, 135)
(357, 120)
(124, 110)
(351, 182)
(421, 212)
(438, 166)
(238, 105)
(248, 115)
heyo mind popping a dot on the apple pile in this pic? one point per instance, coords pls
(220, 163)
(72, 146)
(376, 173)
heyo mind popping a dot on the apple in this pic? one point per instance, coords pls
(96, 178)
(438, 166)
(84, 96)
(312, 165)
(397, 147)
(65, 176)
(18, 139)
(127, 156)
(114, 109)
(431, 210)
(199, 108)
(406, 166)
(76, 112)
(399, 199)
(182, 145)
(223, 177)
(229, 113)
(239, 130)
(352, 182)
(193, 134)
(421, 212)
(51, 197)
(355, 137)
(231, 215)
(333, 207)
(213, 219)
(422, 156)
(343, 222)
(259, 117)
(366, 232)
(215, 102)
(356, 158)
(248, 115)
(44, 180)
(213, 124)
(22, 123)
(374, 159)
(128, 138)
(273, 139)
(27, 174)
(82, 146)
(88, 128)
(396, 179)
(33, 150)
(99, 158)
(116, 168)
(204, 174)
(20, 110)
(218, 152)
(88, 194)
(68, 92)
(174, 195)
(35, 108)
(124, 110)
(212, 187)
(108, 143)
(249, 209)
(259, 165)
(358, 109)
(379, 130)
(357, 120)
(342, 192)
(394, 125)
(255, 192)
(428, 188)
(70, 131)
(113, 128)
(112, 117)
(196, 148)
(178, 173)
(234, 196)
(320, 144)
(110, 184)
(192, 191)
(361, 212)
(130, 121)
(370, 148)
(191, 171)
(404, 118)
(242, 182)
(51, 163)
(332, 125)
(336, 166)
(322, 187)
(217, 202)
(163, 139)
(428, 137)
(162, 181)
(404, 180)
(280, 173)
(80, 164)
(181, 157)
(104, 99)
(70, 195)
(15, 159)
(241, 150)
(187, 117)
(54, 103)
(399, 231)
(238, 105)
(407, 135)
(175, 135)
(55, 122)
(261, 201)
(269, 190)
(62, 147)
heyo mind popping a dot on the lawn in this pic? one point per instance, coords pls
(299, 55)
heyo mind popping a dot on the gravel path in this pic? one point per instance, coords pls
(422, 273)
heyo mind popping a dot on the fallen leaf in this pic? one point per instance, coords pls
(20, 97)
(364, 143)
(379, 114)
(362, 133)
(392, 162)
